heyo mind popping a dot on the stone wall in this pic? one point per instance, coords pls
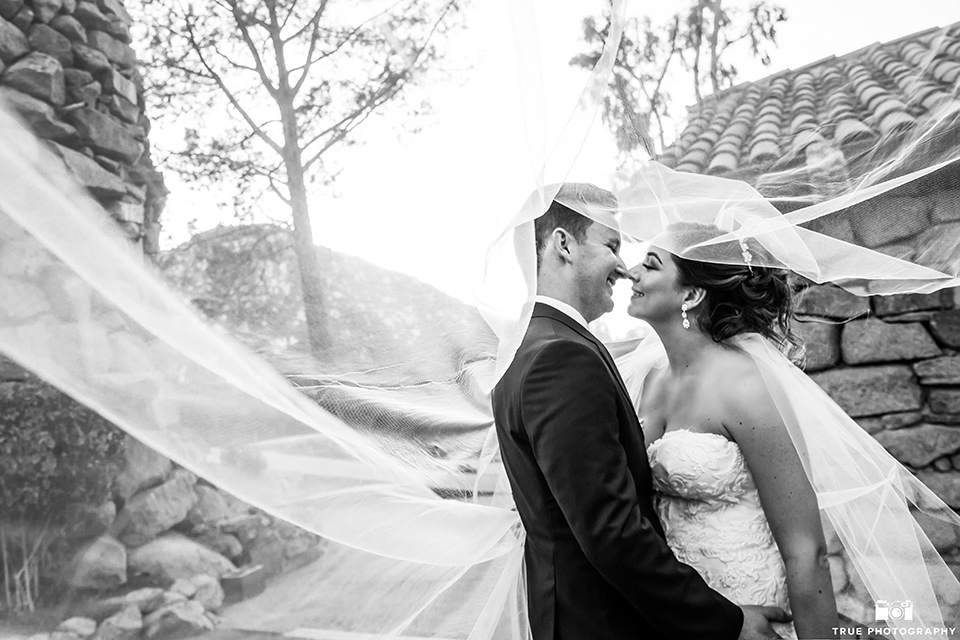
(66, 66)
(893, 364)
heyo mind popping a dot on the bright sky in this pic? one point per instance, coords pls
(428, 203)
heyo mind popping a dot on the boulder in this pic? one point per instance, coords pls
(942, 464)
(48, 40)
(208, 592)
(944, 370)
(211, 507)
(872, 340)
(127, 210)
(870, 391)
(70, 27)
(39, 116)
(173, 556)
(830, 301)
(936, 246)
(945, 327)
(100, 565)
(13, 44)
(909, 302)
(116, 8)
(143, 468)
(120, 30)
(45, 10)
(225, 544)
(919, 446)
(83, 627)
(176, 621)
(90, 16)
(244, 526)
(90, 59)
(38, 75)
(9, 8)
(145, 600)
(945, 485)
(945, 401)
(116, 82)
(821, 341)
(77, 78)
(898, 218)
(153, 511)
(184, 587)
(171, 597)
(95, 178)
(87, 94)
(947, 206)
(106, 135)
(126, 111)
(23, 19)
(115, 50)
(890, 421)
(123, 625)
(69, 6)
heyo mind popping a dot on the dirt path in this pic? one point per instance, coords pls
(333, 593)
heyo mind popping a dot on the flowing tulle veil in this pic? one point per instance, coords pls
(84, 314)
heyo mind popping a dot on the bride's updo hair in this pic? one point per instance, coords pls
(738, 299)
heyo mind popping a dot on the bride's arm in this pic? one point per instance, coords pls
(788, 500)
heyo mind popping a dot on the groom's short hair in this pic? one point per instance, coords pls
(590, 196)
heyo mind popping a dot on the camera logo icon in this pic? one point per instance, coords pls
(893, 610)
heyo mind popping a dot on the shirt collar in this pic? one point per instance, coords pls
(564, 308)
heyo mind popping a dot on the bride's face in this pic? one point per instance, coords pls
(657, 294)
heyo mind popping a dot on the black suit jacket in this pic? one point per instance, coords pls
(597, 563)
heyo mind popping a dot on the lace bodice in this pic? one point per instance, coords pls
(710, 509)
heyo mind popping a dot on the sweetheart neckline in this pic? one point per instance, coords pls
(691, 431)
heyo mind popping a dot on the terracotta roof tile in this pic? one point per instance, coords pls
(831, 103)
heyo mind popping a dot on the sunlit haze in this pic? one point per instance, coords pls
(428, 203)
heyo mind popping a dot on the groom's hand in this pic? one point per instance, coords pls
(756, 622)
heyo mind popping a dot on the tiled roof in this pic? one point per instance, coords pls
(838, 101)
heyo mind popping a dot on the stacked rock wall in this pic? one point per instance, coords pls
(894, 368)
(66, 66)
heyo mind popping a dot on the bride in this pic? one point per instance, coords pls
(734, 492)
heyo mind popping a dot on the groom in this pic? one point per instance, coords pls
(596, 560)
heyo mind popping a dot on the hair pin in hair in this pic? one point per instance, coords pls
(747, 256)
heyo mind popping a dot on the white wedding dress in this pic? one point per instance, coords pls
(710, 509)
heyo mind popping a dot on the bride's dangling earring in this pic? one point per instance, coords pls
(683, 314)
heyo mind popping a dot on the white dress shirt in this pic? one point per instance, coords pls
(563, 308)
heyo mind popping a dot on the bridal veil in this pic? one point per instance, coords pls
(363, 465)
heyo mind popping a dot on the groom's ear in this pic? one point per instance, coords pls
(694, 297)
(561, 241)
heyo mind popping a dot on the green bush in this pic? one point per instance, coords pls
(55, 454)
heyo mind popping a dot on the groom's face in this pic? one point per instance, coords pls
(598, 267)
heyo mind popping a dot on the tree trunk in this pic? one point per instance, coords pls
(698, 41)
(311, 272)
(714, 40)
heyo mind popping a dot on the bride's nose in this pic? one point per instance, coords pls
(634, 273)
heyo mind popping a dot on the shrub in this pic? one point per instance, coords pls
(55, 455)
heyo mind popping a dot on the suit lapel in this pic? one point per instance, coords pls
(546, 311)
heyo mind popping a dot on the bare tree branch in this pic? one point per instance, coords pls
(290, 13)
(191, 35)
(314, 36)
(244, 32)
